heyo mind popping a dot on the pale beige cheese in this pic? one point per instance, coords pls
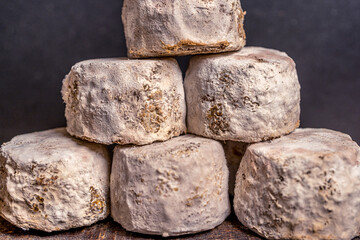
(172, 188)
(51, 181)
(305, 185)
(125, 101)
(156, 28)
(246, 96)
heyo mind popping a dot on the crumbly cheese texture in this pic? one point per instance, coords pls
(247, 96)
(234, 152)
(301, 186)
(156, 28)
(50, 181)
(172, 188)
(125, 101)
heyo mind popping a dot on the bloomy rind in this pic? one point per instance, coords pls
(247, 96)
(301, 186)
(51, 182)
(173, 188)
(181, 32)
(125, 101)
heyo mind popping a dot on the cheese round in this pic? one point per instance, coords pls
(246, 96)
(50, 181)
(125, 101)
(172, 188)
(155, 28)
(302, 186)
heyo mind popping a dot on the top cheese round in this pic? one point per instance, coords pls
(171, 28)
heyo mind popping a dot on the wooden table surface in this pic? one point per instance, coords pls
(108, 229)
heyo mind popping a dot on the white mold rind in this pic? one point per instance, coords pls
(301, 186)
(155, 28)
(246, 96)
(125, 101)
(50, 181)
(172, 188)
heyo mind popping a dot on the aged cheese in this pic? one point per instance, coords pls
(302, 186)
(50, 181)
(172, 188)
(171, 28)
(125, 101)
(234, 152)
(246, 96)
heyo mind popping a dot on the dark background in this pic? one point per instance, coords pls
(40, 40)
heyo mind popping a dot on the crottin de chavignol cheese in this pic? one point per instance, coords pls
(125, 101)
(51, 181)
(171, 188)
(155, 28)
(245, 96)
(301, 186)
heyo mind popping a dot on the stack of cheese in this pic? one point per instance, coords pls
(163, 181)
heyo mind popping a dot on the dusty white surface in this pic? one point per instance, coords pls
(170, 28)
(302, 186)
(172, 188)
(246, 96)
(234, 152)
(125, 101)
(50, 181)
